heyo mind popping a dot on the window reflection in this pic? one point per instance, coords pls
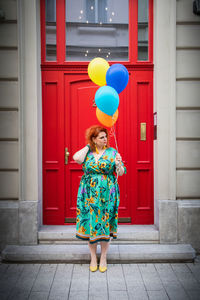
(50, 6)
(97, 28)
(96, 11)
(143, 19)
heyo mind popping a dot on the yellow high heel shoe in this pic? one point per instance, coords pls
(102, 269)
(93, 269)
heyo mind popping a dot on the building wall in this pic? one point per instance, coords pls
(188, 122)
(9, 121)
(176, 100)
(20, 93)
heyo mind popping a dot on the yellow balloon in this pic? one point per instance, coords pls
(105, 119)
(97, 69)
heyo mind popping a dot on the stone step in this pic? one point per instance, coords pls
(116, 253)
(127, 234)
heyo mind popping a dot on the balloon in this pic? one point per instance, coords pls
(107, 100)
(117, 76)
(97, 69)
(105, 119)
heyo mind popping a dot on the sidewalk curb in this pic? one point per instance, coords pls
(140, 253)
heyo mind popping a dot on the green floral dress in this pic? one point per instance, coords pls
(98, 198)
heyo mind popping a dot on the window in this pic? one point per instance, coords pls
(143, 16)
(97, 28)
(50, 6)
(116, 30)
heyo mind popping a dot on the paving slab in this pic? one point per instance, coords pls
(115, 278)
(166, 274)
(9, 279)
(176, 293)
(158, 295)
(77, 295)
(38, 296)
(58, 296)
(98, 283)
(113, 295)
(188, 281)
(150, 277)
(195, 269)
(133, 276)
(19, 295)
(25, 282)
(180, 268)
(3, 268)
(138, 293)
(80, 278)
(44, 278)
(98, 295)
(194, 295)
(61, 282)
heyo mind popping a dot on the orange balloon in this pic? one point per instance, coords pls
(105, 119)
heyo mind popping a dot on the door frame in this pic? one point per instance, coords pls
(164, 104)
(61, 65)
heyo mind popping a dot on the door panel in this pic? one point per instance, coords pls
(79, 115)
(143, 95)
(125, 144)
(53, 146)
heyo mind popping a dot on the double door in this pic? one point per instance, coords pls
(68, 110)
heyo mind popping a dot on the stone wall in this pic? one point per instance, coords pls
(20, 90)
(9, 122)
(188, 123)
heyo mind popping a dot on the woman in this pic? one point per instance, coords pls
(98, 194)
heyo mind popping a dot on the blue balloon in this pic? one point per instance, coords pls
(107, 100)
(117, 77)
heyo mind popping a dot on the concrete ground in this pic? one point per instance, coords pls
(140, 281)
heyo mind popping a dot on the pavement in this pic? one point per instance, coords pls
(156, 281)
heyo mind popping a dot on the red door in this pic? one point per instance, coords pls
(79, 115)
(68, 110)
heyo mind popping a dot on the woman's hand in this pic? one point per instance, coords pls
(118, 163)
(118, 159)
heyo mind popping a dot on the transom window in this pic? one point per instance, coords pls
(143, 21)
(50, 13)
(99, 28)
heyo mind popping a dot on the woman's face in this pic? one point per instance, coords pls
(101, 139)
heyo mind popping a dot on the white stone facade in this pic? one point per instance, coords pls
(176, 101)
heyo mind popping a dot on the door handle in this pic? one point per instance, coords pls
(66, 155)
(93, 103)
(143, 131)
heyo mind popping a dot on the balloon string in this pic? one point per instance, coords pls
(114, 134)
(115, 137)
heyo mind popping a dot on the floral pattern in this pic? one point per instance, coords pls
(98, 198)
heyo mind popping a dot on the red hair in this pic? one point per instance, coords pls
(93, 132)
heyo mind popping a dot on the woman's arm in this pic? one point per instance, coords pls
(80, 155)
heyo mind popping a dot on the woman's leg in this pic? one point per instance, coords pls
(93, 250)
(104, 250)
